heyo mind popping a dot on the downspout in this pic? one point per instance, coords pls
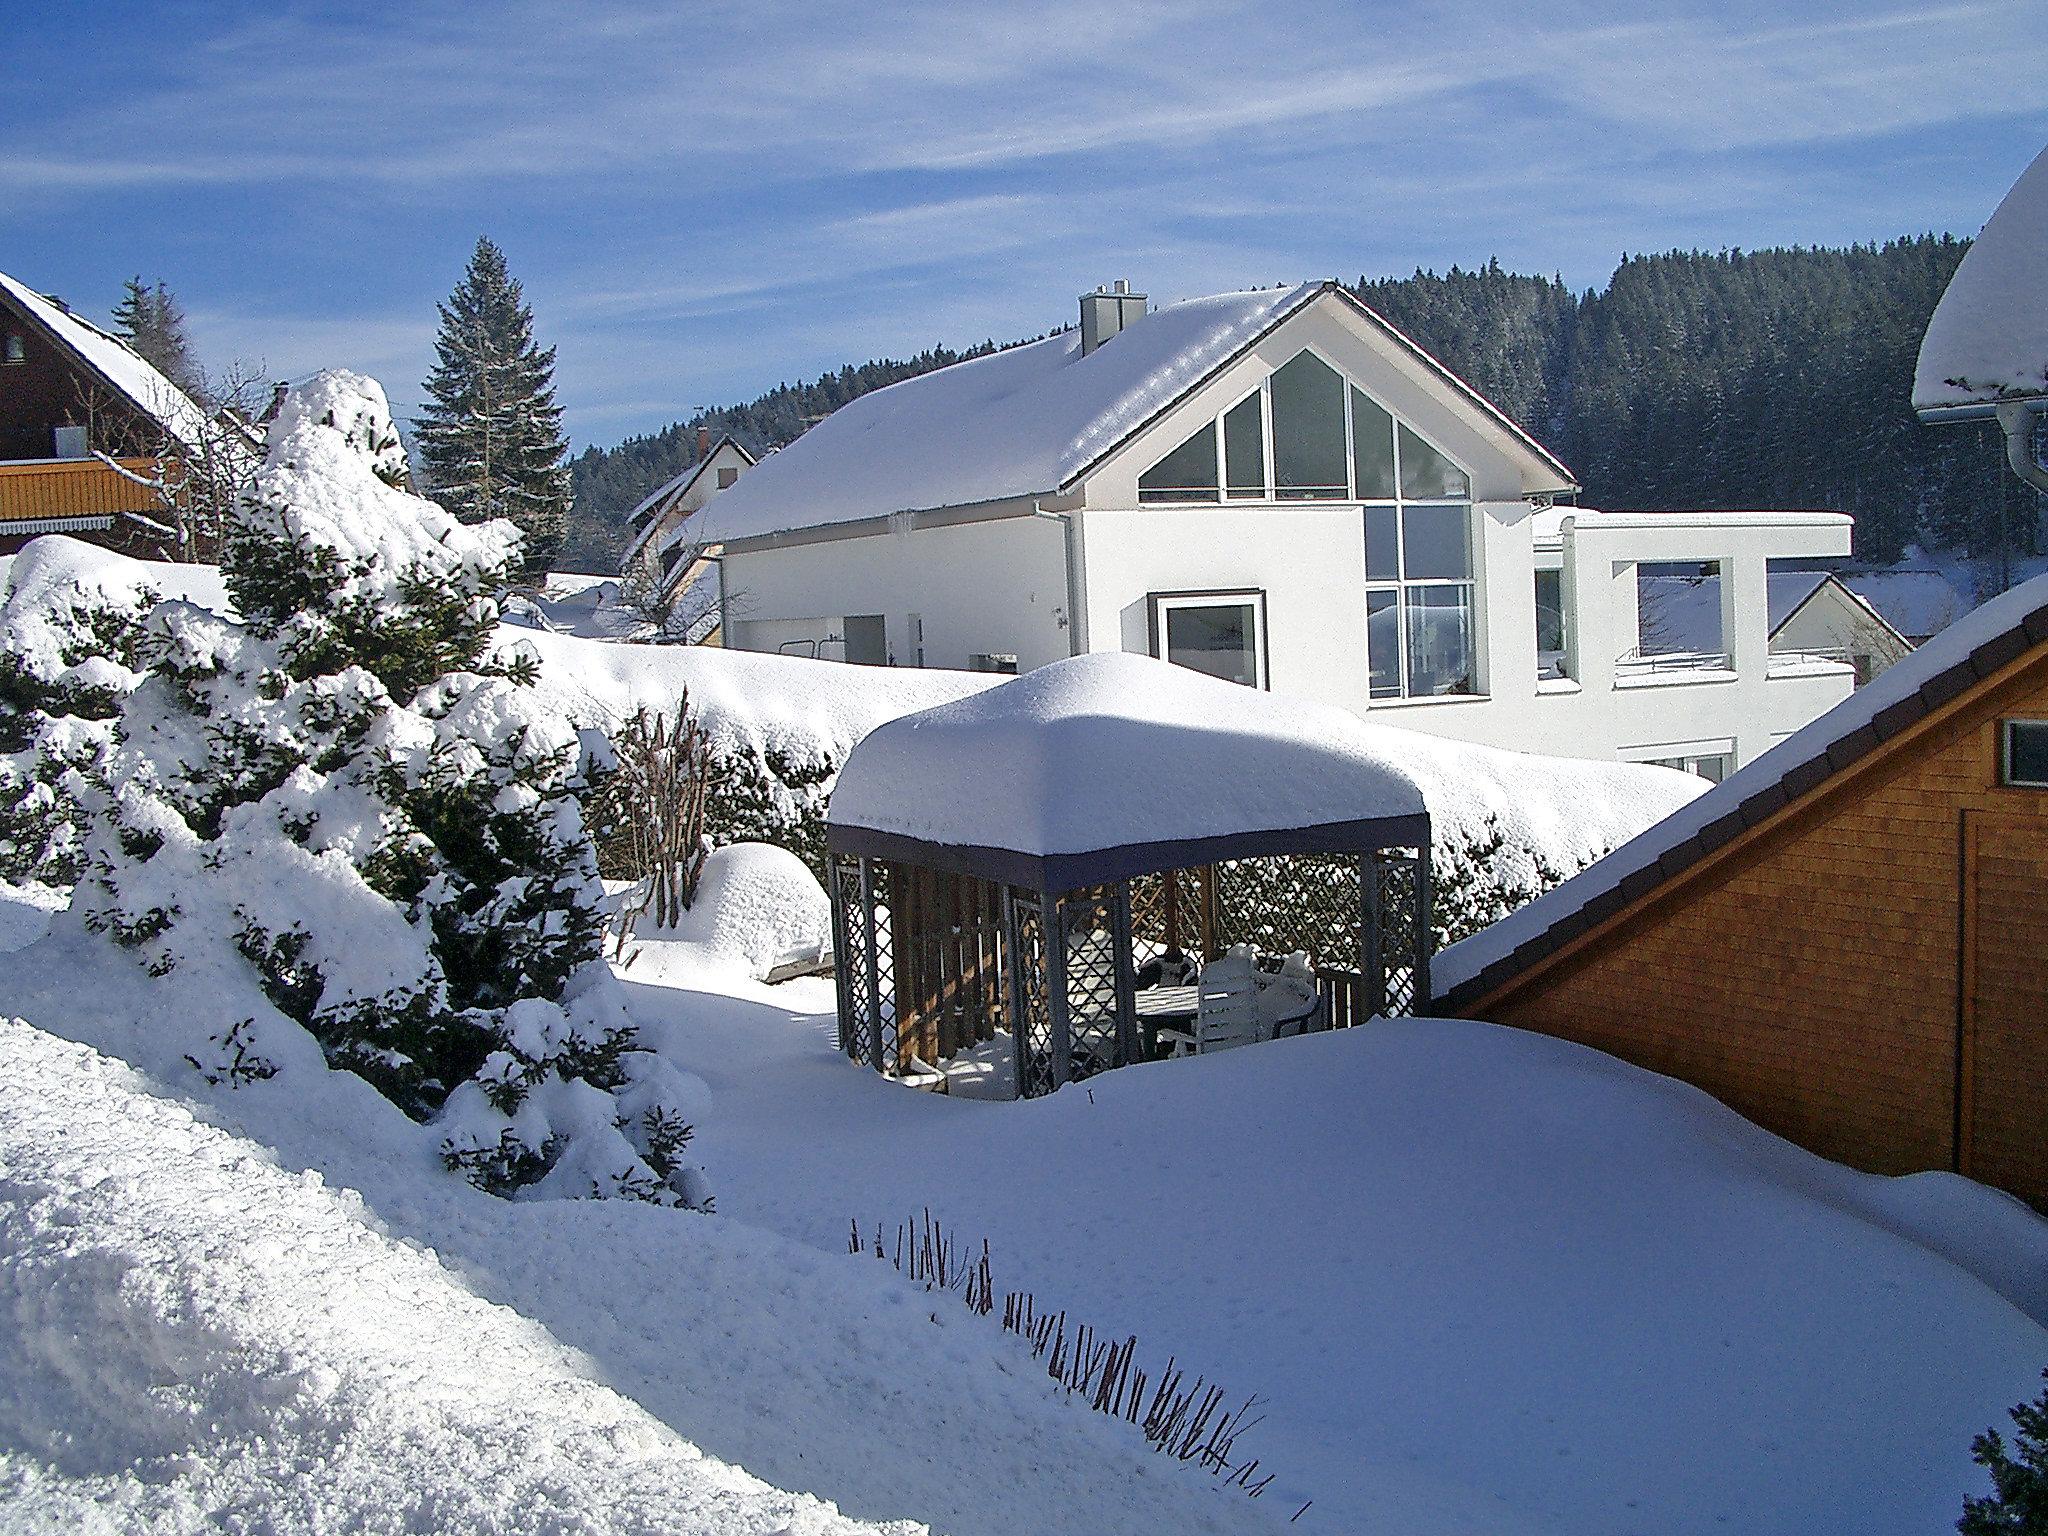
(1070, 544)
(2017, 419)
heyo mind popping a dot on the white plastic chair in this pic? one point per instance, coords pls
(1227, 1011)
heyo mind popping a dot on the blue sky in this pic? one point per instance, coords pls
(706, 199)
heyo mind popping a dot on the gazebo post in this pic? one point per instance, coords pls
(1126, 977)
(1372, 961)
(1056, 989)
(1424, 930)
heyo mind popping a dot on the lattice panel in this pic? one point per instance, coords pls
(1088, 930)
(1401, 928)
(1030, 996)
(853, 960)
(1156, 921)
(1311, 901)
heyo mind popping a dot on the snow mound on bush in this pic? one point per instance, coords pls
(756, 903)
(197, 1338)
(54, 581)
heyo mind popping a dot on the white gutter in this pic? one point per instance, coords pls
(1070, 542)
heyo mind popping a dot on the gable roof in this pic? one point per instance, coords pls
(1684, 612)
(1987, 640)
(641, 518)
(1032, 420)
(112, 362)
(1915, 603)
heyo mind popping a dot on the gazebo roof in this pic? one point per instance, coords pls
(1109, 765)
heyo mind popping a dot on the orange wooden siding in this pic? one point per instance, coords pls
(72, 488)
(1819, 977)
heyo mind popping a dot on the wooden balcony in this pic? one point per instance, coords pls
(40, 490)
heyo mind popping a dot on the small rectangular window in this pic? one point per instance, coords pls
(726, 476)
(1550, 624)
(2024, 760)
(1220, 633)
(16, 350)
(69, 443)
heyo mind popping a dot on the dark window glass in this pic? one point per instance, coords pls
(1382, 547)
(2026, 753)
(1383, 643)
(1219, 640)
(1186, 474)
(1550, 611)
(1308, 429)
(17, 349)
(1436, 544)
(1372, 448)
(1244, 448)
(1425, 473)
(1439, 625)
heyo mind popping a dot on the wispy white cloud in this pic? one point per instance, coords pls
(705, 200)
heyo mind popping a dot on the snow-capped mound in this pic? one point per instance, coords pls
(197, 1339)
(56, 583)
(757, 903)
(1988, 338)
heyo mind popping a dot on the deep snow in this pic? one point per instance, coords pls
(1485, 1281)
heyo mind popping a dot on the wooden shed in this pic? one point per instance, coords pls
(1002, 865)
(1847, 941)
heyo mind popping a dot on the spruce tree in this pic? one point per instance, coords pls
(491, 433)
(152, 322)
(340, 794)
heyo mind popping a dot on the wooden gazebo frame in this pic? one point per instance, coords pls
(940, 946)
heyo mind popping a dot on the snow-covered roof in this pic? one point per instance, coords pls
(115, 364)
(1076, 772)
(1915, 603)
(1999, 632)
(1024, 422)
(1988, 338)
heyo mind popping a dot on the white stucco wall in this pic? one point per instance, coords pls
(997, 587)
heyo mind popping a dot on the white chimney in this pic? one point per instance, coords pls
(1107, 311)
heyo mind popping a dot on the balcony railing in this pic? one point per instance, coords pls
(1809, 657)
(37, 490)
(1636, 660)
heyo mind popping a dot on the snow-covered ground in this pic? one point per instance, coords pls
(1485, 1281)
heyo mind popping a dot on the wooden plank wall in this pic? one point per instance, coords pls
(71, 488)
(945, 938)
(1814, 980)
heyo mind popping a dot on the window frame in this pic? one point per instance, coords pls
(1159, 604)
(2007, 730)
(1270, 494)
(13, 349)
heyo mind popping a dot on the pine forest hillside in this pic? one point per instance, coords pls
(1775, 378)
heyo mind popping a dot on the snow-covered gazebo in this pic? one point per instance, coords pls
(1000, 863)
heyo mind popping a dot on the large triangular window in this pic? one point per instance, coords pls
(1305, 434)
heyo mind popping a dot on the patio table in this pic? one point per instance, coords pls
(1158, 1006)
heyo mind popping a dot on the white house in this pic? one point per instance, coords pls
(1277, 487)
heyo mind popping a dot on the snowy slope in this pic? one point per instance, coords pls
(1988, 337)
(814, 1370)
(196, 1339)
(1485, 1281)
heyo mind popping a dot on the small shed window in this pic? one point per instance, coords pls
(726, 477)
(15, 349)
(2024, 760)
(1220, 633)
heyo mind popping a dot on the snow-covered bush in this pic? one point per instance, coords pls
(756, 904)
(338, 787)
(69, 653)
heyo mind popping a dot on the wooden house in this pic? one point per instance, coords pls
(70, 392)
(1847, 940)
